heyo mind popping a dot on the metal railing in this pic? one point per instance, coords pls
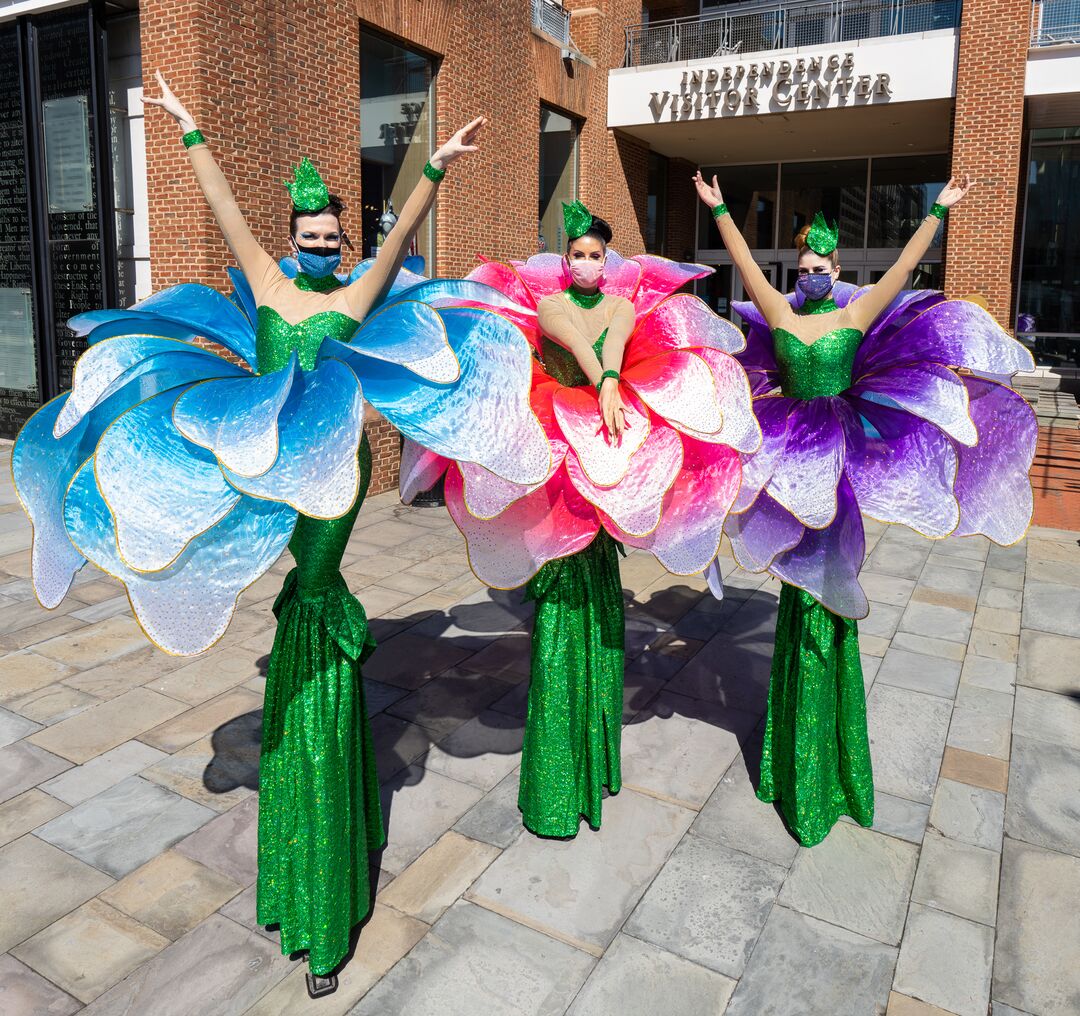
(1055, 22)
(552, 18)
(764, 25)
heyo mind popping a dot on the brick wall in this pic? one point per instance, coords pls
(987, 135)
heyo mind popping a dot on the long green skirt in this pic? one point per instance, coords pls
(574, 722)
(319, 812)
(815, 762)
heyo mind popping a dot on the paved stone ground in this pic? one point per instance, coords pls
(128, 801)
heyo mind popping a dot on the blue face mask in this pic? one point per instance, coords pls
(815, 287)
(318, 262)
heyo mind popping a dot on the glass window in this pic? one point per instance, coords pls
(656, 212)
(396, 122)
(902, 191)
(1050, 266)
(837, 188)
(558, 175)
(750, 195)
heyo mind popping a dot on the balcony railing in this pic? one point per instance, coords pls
(783, 24)
(552, 18)
(1055, 22)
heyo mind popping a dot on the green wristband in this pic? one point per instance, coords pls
(938, 211)
(720, 209)
(606, 375)
(193, 138)
(433, 174)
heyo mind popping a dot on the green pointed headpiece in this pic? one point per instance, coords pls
(577, 219)
(822, 238)
(309, 193)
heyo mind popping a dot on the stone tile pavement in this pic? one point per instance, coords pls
(128, 784)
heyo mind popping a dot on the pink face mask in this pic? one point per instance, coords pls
(585, 272)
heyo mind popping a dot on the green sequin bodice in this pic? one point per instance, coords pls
(562, 365)
(821, 368)
(275, 338)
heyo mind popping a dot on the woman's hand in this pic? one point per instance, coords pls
(709, 193)
(611, 408)
(954, 190)
(171, 104)
(460, 144)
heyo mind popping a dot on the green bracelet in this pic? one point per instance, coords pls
(720, 209)
(433, 174)
(193, 138)
(606, 375)
(938, 211)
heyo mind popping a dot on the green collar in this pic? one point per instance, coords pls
(822, 306)
(310, 284)
(585, 300)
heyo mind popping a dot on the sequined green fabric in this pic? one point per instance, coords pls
(584, 300)
(574, 721)
(562, 365)
(821, 368)
(319, 811)
(310, 284)
(815, 762)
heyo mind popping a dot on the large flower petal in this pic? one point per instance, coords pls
(772, 416)
(321, 426)
(688, 535)
(661, 277)
(805, 476)
(402, 281)
(761, 533)
(679, 387)
(162, 490)
(992, 482)
(113, 363)
(438, 292)
(507, 551)
(901, 470)
(682, 321)
(420, 470)
(543, 274)
(826, 561)
(604, 461)
(186, 607)
(740, 429)
(411, 334)
(236, 419)
(243, 297)
(935, 393)
(506, 279)
(635, 503)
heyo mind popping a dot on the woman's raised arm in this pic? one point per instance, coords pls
(253, 260)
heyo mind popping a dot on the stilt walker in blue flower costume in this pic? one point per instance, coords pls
(185, 475)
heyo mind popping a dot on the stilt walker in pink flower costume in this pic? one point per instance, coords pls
(872, 402)
(645, 411)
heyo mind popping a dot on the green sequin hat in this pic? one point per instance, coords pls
(309, 193)
(823, 238)
(577, 219)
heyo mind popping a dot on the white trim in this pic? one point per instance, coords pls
(10, 9)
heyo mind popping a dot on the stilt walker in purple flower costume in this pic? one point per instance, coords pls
(185, 475)
(875, 401)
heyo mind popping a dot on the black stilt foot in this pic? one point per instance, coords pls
(318, 985)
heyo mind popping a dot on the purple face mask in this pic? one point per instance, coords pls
(815, 287)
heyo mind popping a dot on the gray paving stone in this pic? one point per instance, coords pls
(938, 622)
(229, 843)
(734, 816)
(377, 695)
(680, 746)
(1000, 1009)
(24, 765)
(897, 816)
(907, 738)
(892, 558)
(85, 781)
(958, 878)
(1048, 661)
(730, 670)
(216, 969)
(995, 596)
(582, 889)
(882, 620)
(985, 700)
(891, 589)
(1036, 966)
(946, 961)
(947, 578)
(495, 818)
(827, 969)
(919, 673)
(636, 978)
(481, 752)
(938, 648)
(125, 826)
(1046, 716)
(1044, 795)
(523, 973)
(854, 878)
(708, 904)
(1052, 607)
(24, 991)
(994, 675)
(1002, 578)
(979, 731)
(13, 726)
(969, 814)
(870, 667)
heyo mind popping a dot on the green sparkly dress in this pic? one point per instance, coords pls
(815, 762)
(319, 811)
(574, 722)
